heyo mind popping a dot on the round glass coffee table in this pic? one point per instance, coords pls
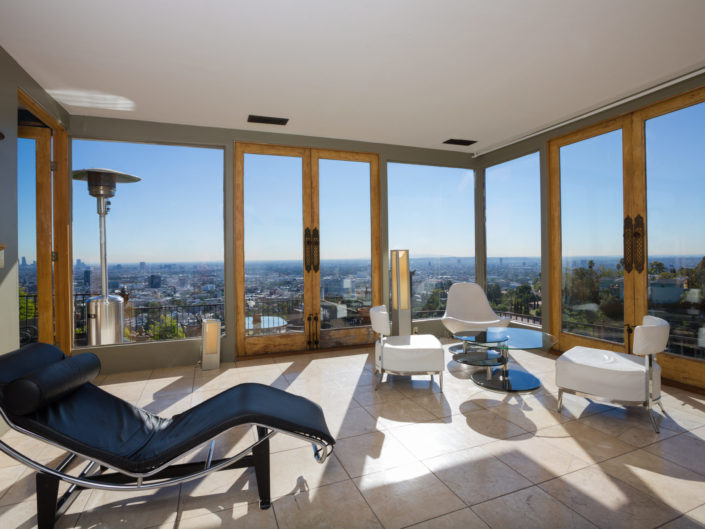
(491, 349)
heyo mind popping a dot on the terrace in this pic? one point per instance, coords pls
(576, 203)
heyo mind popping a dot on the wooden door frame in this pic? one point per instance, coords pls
(43, 229)
(674, 367)
(568, 340)
(61, 186)
(256, 345)
(272, 344)
(355, 335)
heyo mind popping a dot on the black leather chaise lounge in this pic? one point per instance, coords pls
(46, 395)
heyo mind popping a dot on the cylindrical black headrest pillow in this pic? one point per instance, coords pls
(33, 391)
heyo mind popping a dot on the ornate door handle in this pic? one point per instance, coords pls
(316, 250)
(315, 330)
(628, 244)
(307, 249)
(639, 239)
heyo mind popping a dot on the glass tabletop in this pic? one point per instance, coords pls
(509, 337)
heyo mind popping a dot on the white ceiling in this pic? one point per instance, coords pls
(407, 72)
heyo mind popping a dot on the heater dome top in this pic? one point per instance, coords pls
(101, 182)
(108, 175)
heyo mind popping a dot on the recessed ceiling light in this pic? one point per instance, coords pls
(464, 143)
(267, 120)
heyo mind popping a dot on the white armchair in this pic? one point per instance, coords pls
(416, 354)
(467, 309)
(617, 376)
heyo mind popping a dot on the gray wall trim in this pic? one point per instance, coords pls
(480, 237)
(545, 242)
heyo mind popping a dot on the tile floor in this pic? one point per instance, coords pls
(408, 456)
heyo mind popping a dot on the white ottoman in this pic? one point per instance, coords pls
(604, 373)
(407, 355)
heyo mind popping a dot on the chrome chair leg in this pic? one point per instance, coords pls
(379, 379)
(560, 400)
(652, 417)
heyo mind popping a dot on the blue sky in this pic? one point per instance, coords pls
(513, 208)
(273, 208)
(431, 210)
(175, 213)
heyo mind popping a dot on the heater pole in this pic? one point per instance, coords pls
(102, 211)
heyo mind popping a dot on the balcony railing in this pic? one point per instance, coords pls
(184, 321)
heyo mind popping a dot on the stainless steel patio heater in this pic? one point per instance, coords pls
(104, 313)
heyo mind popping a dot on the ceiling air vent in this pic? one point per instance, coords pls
(267, 120)
(464, 143)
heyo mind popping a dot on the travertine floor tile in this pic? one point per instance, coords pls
(534, 458)
(583, 441)
(371, 452)
(398, 413)
(484, 426)
(434, 438)
(682, 449)
(239, 517)
(353, 421)
(131, 509)
(632, 425)
(530, 413)
(674, 485)
(475, 475)
(607, 501)
(226, 489)
(336, 505)
(296, 470)
(24, 515)
(464, 518)
(694, 519)
(441, 405)
(368, 395)
(530, 508)
(406, 495)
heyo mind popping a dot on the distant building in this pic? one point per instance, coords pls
(143, 266)
(155, 281)
(87, 278)
(79, 264)
(666, 290)
(24, 261)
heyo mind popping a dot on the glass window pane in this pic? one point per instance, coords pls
(27, 239)
(346, 259)
(513, 227)
(164, 238)
(675, 184)
(432, 214)
(591, 237)
(274, 274)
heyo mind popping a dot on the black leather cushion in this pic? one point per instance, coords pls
(26, 360)
(49, 383)
(101, 426)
